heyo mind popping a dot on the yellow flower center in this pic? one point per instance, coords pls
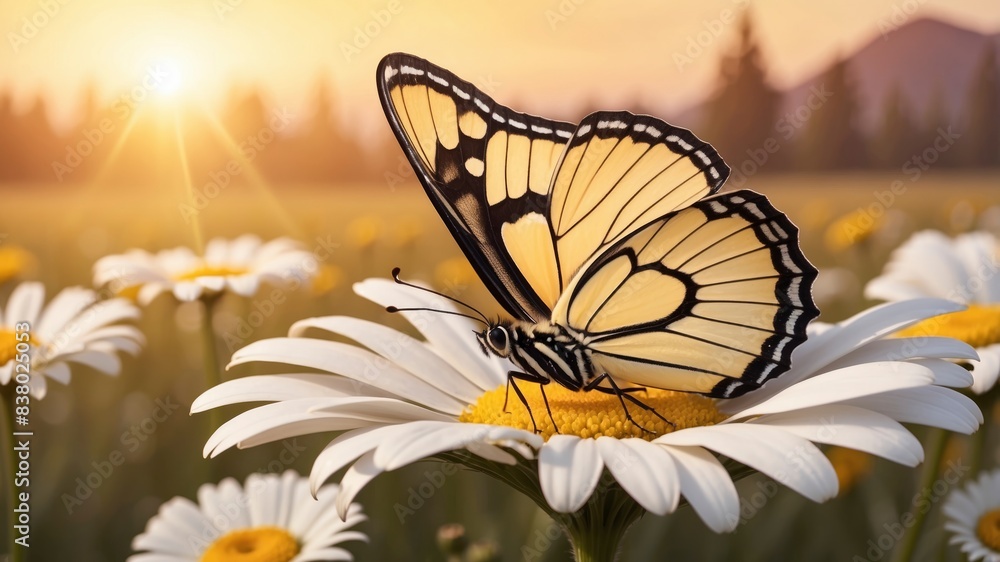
(593, 414)
(210, 271)
(978, 326)
(261, 544)
(13, 260)
(8, 345)
(988, 529)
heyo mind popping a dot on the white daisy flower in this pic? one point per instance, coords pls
(966, 270)
(240, 265)
(402, 400)
(973, 516)
(272, 517)
(75, 327)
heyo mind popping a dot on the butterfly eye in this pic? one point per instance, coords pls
(498, 338)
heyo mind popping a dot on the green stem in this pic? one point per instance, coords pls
(932, 464)
(210, 359)
(16, 552)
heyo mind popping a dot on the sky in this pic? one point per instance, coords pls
(547, 56)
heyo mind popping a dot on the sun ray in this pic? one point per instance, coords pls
(257, 181)
(199, 239)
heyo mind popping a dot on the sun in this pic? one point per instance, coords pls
(168, 77)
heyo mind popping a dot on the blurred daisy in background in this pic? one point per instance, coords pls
(271, 518)
(973, 517)
(402, 400)
(75, 327)
(964, 269)
(240, 265)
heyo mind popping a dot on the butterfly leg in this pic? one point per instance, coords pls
(623, 395)
(542, 381)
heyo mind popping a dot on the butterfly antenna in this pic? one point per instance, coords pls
(392, 309)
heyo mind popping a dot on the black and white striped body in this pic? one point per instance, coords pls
(543, 351)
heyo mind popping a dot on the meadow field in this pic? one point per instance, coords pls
(87, 508)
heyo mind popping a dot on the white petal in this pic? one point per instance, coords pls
(987, 369)
(347, 447)
(843, 384)
(788, 458)
(245, 285)
(355, 479)
(853, 428)
(644, 470)
(350, 361)
(186, 291)
(932, 405)
(568, 471)
(451, 336)
(212, 283)
(707, 486)
(428, 438)
(275, 388)
(410, 353)
(24, 303)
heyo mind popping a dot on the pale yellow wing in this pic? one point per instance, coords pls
(712, 299)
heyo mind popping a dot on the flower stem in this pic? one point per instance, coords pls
(210, 360)
(596, 530)
(932, 464)
(16, 551)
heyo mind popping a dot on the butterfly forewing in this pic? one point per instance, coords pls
(485, 167)
(620, 172)
(713, 298)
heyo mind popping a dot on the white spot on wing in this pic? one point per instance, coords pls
(793, 291)
(410, 70)
(792, 319)
(778, 348)
(583, 130)
(542, 130)
(438, 79)
(704, 158)
(653, 132)
(639, 127)
(460, 93)
(483, 106)
(565, 134)
(737, 199)
(764, 374)
(777, 228)
(714, 173)
(717, 207)
(752, 207)
(767, 232)
(517, 124)
(786, 259)
(389, 73)
(496, 117)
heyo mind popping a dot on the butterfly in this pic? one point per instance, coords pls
(605, 241)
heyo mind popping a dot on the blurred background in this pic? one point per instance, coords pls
(168, 122)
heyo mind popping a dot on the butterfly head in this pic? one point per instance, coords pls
(496, 338)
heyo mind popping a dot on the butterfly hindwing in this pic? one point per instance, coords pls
(712, 298)
(484, 167)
